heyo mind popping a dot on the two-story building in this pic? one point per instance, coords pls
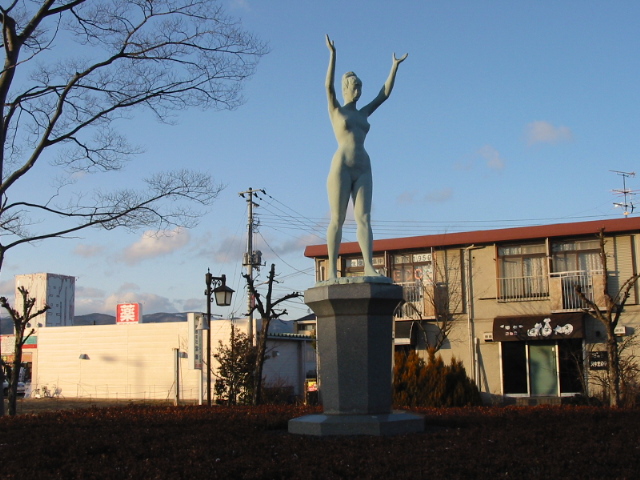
(505, 301)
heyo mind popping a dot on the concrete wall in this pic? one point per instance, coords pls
(118, 361)
(138, 360)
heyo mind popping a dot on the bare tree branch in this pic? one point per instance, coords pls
(267, 312)
(83, 68)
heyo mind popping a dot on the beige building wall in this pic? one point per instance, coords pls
(472, 281)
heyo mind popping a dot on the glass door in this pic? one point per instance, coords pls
(543, 371)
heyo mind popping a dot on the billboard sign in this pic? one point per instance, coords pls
(196, 323)
(128, 313)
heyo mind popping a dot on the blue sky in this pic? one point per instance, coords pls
(504, 114)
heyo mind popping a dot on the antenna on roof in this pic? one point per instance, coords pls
(627, 194)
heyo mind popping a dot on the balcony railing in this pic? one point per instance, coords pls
(413, 296)
(568, 281)
(518, 289)
(426, 300)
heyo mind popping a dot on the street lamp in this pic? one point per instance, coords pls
(223, 295)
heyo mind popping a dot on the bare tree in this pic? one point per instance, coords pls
(609, 316)
(440, 300)
(267, 310)
(20, 322)
(73, 69)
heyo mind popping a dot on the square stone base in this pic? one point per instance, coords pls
(396, 423)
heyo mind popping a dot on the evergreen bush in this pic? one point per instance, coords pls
(433, 383)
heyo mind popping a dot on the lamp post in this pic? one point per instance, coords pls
(223, 295)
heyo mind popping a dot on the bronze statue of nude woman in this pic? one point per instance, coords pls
(350, 173)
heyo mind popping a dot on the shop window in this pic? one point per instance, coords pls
(522, 272)
(543, 368)
(514, 368)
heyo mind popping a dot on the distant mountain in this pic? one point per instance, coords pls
(164, 317)
(104, 319)
(6, 325)
(94, 319)
(277, 326)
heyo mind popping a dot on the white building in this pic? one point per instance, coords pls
(151, 360)
(57, 291)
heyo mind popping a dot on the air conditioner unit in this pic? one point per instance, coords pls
(488, 336)
(620, 330)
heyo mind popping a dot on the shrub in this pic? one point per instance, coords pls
(432, 384)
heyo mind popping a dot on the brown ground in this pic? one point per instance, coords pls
(137, 441)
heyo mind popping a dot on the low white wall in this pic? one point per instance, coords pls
(137, 361)
(119, 361)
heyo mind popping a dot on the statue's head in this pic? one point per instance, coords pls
(351, 87)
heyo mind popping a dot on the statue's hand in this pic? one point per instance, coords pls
(398, 61)
(330, 44)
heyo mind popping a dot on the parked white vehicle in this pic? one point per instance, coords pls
(5, 388)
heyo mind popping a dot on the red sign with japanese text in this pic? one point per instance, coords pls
(128, 313)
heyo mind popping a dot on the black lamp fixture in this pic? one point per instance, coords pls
(223, 296)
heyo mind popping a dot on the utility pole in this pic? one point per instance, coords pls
(252, 259)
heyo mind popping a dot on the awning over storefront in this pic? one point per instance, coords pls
(555, 326)
(403, 333)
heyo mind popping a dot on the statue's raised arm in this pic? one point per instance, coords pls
(385, 91)
(331, 72)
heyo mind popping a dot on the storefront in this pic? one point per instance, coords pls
(540, 355)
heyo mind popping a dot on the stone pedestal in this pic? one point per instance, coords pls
(355, 350)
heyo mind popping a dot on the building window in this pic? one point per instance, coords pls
(321, 270)
(575, 263)
(354, 266)
(523, 273)
(412, 268)
(543, 368)
(576, 256)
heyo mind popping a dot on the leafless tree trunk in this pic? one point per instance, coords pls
(20, 322)
(609, 316)
(443, 299)
(268, 312)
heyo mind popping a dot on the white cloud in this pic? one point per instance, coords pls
(194, 305)
(154, 244)
(545, 132)
(295, 245)
(406, 198)
(89, 292)
(492, 157)
(88, 251)
(151, 303)
(128, 287)
(438, 196)
(8, 289)
(222, 250)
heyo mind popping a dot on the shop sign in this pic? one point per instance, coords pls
(538, 327)
(598, 360)
(128, 313)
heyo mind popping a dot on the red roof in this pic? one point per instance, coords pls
(618, 225)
